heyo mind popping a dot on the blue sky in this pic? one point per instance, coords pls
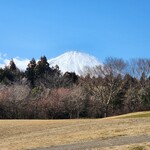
(103, 28)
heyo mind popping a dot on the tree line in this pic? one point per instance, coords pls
(43, 92)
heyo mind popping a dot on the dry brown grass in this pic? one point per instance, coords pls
(26, 134)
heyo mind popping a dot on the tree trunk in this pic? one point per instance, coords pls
(106, 112)
(70, 115)
(78, 114)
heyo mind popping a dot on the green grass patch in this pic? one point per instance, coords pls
(136, 115)
(138, 148)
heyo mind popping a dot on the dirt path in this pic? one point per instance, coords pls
(117, 141)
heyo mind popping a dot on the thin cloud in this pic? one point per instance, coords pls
(2, 56)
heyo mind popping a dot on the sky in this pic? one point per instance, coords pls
(102, 28)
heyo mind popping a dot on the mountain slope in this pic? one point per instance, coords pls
(74, 61)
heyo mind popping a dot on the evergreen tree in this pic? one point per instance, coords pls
(30, 71)
(42, 67)
(8, 75)
(12, 66)
(1, 74)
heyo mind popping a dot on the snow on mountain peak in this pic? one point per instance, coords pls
(74, 61)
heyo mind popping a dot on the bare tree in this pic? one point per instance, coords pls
(74, 102)
(106, 87)
(136, 67)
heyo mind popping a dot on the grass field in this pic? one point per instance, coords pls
(27, 134)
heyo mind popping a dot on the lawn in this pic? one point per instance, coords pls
(27, 134)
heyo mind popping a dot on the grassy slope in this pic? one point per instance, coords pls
(23, 134)
(136, 115)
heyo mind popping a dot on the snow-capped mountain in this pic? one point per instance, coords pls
(77, 62)
(72, 61)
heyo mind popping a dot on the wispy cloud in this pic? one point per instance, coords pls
(2, 56)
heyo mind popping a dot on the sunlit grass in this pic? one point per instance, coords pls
(26, 134)
(136, 115)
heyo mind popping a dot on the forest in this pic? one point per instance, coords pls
(43, 92)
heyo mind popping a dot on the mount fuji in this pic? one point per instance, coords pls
(74, 61)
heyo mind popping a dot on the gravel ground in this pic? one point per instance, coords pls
(116, 141)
